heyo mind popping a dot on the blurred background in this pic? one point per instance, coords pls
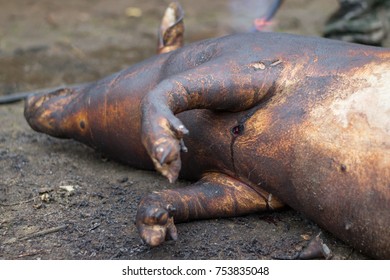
(47, 43)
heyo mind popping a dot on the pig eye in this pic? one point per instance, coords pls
(82, 124)
(237, 130)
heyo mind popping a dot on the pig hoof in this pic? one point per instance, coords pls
(162, 136)
(155, 223)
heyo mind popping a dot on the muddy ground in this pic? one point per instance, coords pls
(62, 200)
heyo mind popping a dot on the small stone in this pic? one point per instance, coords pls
(306, 237)
(46, 197)
(67, 188)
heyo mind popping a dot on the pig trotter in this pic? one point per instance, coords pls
(162, 135)
(155, 220)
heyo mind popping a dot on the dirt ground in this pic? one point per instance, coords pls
(62, 200)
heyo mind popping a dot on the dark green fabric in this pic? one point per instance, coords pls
(360, 21)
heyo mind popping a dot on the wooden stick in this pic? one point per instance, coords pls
(35, 234)
(43, 232)
(18, 203)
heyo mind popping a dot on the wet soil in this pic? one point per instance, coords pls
(62, 200)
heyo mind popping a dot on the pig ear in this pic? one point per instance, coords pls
(170, 36)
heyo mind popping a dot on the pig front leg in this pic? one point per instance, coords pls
(220, 85)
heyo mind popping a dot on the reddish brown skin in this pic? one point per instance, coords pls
(304, 119)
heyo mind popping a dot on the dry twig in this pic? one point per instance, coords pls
(36, 234)
(18, 203)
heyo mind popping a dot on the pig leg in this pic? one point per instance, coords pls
(215, 196)
(209, 86)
